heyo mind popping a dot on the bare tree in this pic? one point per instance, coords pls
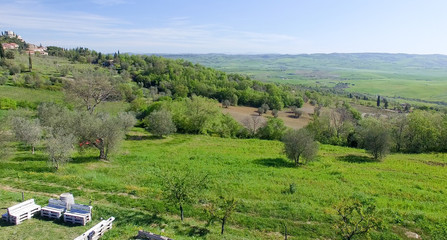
(357, 218)
(182, 188)
(300, 143)
(221, 209)
(254, 123)
(27, 131)
(89, 89)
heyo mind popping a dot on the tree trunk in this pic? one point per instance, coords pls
(297, 160)
(33, 149)
(223, 225)
(102, 154)
(181, 212)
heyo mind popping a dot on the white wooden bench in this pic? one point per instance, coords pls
(20, 212)
(55, 209)
(78, 214)
(97, 231)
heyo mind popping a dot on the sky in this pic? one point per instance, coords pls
(232, 26)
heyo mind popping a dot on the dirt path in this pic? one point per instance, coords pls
(240, 113)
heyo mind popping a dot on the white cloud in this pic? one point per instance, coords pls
(177, 36)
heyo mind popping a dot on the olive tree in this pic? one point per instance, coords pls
(89, 89)
(300, 144)
(375, 137)
(60, 146)
(103, 131)
(160, 123)
(28, 131)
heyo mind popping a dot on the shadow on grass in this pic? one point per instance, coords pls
(356, 159)
(191, 231)
(84, 159)
(274, 162)
(144, 137)
(28, 158)
(26, 167)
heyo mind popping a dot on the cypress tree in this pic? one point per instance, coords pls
(2, 52)
(30, 62)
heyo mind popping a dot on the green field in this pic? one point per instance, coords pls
(409, 190)
(421, 77)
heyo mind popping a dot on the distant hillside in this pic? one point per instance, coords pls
(413, 77)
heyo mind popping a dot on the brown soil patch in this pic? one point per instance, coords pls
(240, 113)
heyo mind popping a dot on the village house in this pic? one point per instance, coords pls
(10, 46)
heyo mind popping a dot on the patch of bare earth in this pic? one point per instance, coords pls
(240, 113)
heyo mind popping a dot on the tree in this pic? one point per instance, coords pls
(103, 131)
(2, 52)
(9, 55)
(30, 63)
(378, 101)
(385, 102)
(160, 123)
(226, 103)
(398, 131)
(182, 188)
(357, 218)
(265, 107)
(27, 131)
(254, 123)
(375, 137)
(300, 143)
(297, 113)
(275, 113)
(89, 89)
(221, 209)
(60, 146)
(273, 130)
(260, 111)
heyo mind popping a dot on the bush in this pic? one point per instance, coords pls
(13, 69)
(7, 103)
(3, 79)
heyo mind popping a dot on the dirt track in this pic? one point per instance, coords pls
(241, 113)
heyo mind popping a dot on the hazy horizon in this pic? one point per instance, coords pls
(232, 27)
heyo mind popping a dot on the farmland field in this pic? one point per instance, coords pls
(409, 190)
(418, 77)
(241, 113)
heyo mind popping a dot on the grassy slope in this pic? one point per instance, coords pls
(409, 189)
(391, 75)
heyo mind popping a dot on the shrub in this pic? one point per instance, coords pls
(7, 103)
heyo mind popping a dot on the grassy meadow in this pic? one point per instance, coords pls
(409, 190)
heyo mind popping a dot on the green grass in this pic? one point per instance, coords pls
(31, 95)
(409, 189)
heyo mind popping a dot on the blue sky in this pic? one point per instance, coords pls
(232, 26)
